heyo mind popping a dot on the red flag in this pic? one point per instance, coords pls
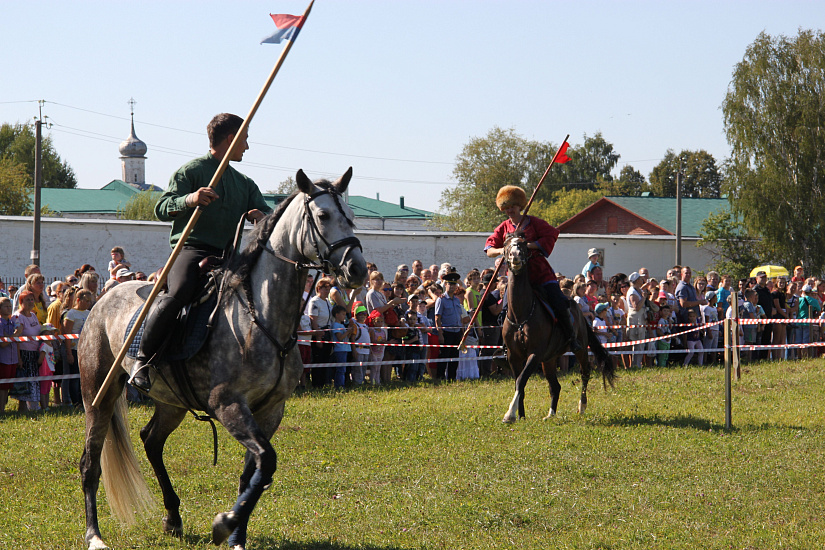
(561, 158)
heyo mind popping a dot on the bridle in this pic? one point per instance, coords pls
(515, 241)
(317, 238)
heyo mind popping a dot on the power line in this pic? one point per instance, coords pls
(317, 151)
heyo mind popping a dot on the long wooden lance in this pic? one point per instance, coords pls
(559, 153)
(161, 280)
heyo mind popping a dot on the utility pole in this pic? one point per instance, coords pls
(679, 216)
(38, 183)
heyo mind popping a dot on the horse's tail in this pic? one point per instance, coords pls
(602, 357)
(126, 489)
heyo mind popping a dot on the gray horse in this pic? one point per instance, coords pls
(242, 375)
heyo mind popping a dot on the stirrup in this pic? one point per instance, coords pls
(140, 379)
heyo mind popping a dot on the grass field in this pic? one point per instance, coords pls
(649, 466)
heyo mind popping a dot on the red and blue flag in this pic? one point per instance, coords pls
(288, 28)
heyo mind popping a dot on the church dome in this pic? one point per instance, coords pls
(132, 146)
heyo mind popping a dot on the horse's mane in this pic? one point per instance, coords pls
(239, 267)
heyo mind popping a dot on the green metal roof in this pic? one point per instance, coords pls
(117, 193)
(364, 207)
(662, 211)
(88, 201)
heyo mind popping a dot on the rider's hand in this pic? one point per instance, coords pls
(202, 197)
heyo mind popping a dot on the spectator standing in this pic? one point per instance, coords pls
(320, 314)
(693, 339)
(809, 308)
(765, 299)
(28, 393)
(360, 337)
(792, 308)
(663, 328)
(341, 348)
(780, 311)
(8, 350)
(91, 282)
(723, 293)
(305, 347)
(417, 268)
(3, 292)
(378, 337)
(798, 275)
(636, 319)
(713, 281)
(710, 315)
(36, 283)
(46, 361)
(686, 294)
(73, 323)
(448, 321)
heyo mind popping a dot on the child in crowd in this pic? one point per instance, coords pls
(663, 328)
(341, 347)
(117, 262)
(378, 335)
(710, 316)
(46, 361)
(412, 338)
(693, 339)
(360, 338)
(8, 350)
(748, 310)
(305, 346)
(600, 327)
(73, 324)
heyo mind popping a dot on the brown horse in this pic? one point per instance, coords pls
(530, 338)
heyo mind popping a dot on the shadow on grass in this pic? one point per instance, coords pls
(271, 543)
(680, 421)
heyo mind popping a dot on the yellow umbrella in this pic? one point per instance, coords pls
(771, 271)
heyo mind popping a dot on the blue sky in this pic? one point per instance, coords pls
(393, 88)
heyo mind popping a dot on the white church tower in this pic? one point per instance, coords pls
(133, 156)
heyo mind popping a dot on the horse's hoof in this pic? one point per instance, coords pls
(222, 526)
(172, 526)
(96, 543)
(509, 419)
(550, 415)
(582, 407)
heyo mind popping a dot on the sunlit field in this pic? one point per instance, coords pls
(649, 465)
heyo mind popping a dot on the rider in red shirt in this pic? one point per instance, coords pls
(541, 238)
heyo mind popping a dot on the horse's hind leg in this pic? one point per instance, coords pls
(98, 420)
(555, 387)
(584, 361)
(163, 422)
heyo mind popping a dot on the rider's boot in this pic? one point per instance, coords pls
(565, 323)
(158, 323)
(564, 317)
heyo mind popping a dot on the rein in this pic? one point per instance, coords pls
(510, 291)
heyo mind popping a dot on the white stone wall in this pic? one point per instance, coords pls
(66, 244)
(134, 169)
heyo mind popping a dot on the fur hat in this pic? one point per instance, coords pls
(510, 195)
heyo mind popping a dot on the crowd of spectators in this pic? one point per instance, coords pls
(419, 307)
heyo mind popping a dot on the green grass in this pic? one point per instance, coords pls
(649, 466)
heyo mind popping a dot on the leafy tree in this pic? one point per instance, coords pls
(140, 207)
(565, 205)
(503, 157)
(17, 142)
(630, 183)
(286, 187)
(486, 164)
(732, 248)
(15, 198)
(774, 115)
(702, 177)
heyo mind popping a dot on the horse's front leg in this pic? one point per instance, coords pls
(238, 420)
(517, 404)
(154, 434)
(555, 388)
(586, 366)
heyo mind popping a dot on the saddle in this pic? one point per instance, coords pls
(193, 324)
(547, 307)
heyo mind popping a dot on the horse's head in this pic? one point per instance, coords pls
(515, 252)
(328, 236)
